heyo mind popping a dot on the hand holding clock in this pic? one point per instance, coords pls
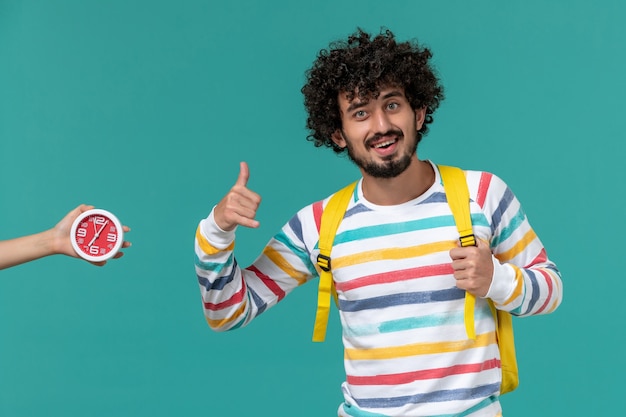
(50, 242)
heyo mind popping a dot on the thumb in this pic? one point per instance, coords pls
(244, 174)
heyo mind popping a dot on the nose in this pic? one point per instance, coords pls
(382, 122)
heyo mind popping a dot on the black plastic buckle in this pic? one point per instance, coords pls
(324, 262)
(466, 239)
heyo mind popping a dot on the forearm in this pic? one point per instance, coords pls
(232, 296)
(525, 281)
(27, 248)
(525, 291)
(218, 275)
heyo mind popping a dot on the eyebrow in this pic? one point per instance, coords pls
(358, 104)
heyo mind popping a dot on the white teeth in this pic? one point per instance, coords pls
(383, 144)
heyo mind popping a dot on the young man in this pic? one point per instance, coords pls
(400, 276)
(55, 241)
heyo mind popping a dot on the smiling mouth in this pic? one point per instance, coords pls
(385, 144)
(384, 140)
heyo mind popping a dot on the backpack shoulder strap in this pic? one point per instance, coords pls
(331, 217)
(457, 194)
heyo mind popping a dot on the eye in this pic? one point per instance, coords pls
(392, 106)
(360, 114)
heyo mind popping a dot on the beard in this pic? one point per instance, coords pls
(391, 166)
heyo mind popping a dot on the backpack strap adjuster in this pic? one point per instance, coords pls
(468, 240)
(324, 262)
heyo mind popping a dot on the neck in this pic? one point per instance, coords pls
(413, 182)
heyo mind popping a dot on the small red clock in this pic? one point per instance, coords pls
(96, 235)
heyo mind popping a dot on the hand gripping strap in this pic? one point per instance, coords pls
(331, 217)
(455, 186)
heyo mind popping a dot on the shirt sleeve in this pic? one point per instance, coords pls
(526, 282)
(232, 296)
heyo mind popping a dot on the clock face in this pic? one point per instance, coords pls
(96, 235)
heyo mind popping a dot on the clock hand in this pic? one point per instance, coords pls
(98, 233)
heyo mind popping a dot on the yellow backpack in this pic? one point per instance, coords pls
(457, 194)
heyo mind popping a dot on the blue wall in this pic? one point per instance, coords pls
(146, 108)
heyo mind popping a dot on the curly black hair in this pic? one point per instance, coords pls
(365, 64)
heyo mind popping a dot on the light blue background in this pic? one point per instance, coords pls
(146, 109)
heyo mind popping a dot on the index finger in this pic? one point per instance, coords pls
(457, 253)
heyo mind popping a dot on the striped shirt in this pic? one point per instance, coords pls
(406, 351)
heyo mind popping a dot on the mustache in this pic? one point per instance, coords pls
(377, 136)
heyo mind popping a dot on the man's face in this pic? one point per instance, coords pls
(380, 134)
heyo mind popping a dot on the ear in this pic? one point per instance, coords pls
(337, 137)
(420, 116)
